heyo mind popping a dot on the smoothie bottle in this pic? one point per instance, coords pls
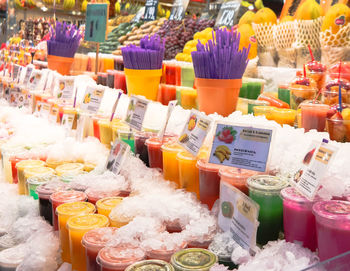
(155, 265)
(313, 116)
(170, 162)
(95, 194)
(193, 259)
(77, 227)
(21, 166)
(265, 190)
(105, 206)
(140, 147)
(64, 212)
(236, 177)
(188, 172)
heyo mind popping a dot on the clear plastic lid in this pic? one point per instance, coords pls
(46, 190)
(203, 165)
(171, 147)
(109, 203)
(156, 142)
(39, 180)
(97, 238)
(332, 210)
(266, 183)
(150, 265)
(87, 222)
(119, 257)
(290, 193)
(184, 155)
(75, 208)
(29, 163)
(97, 194)
(69, 168)
(38, 171)
(193, 259)
(68, 196)
(236, 173)
(12, 257)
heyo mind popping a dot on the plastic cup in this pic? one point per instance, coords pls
(119, 258)
(94, 241)
(70, 169)
(8, 152)
(143, 82)
(313, 116)
(298, 220)
(284, 93)
(253, 103)
(52, 163)
(266, 111)
(105, 127)
(164, 254)
(34, 182)
(331, 97)
(332, 228)
(236, 177)
(21, 166)
(60, 64)
(36, 172)
(251, 88)
(265, 190)
(14, 160)
(188, 97)
(127, 136)
(170, 162)
(242, 105)
(155, 155)
(187, 75)
(64, 212)
(168, 93)
(12, 257)
(318, 77)
(105, 206)
(116, 126)
(188, 172)
(218, 95)
(96, 127)
(120, 81)
(95, 195)
(192, 259)
(140, 147)
(118, 222)
(284, 116)
(155, 265)
(300, 94)
(61, 197)
(339, 130)
(77, 227)
(170, 73)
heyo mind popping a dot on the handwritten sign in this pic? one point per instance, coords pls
(151, 8)
(179, 9)
(96, 22)
(227, 13)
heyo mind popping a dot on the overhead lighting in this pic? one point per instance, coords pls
(44, 8)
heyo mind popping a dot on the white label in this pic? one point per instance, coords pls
(68, 121)
(239, 215)
(92, 99)
(34, 79)
(65, 88)
(27, 76)
(15, 72)
(117, 156)
(53, 114)
(195, 132)
(136, 112)
(45, 109)
(171, 107)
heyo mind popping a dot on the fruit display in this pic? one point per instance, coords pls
(338, 123)
(337, 16)
(317, 71)
(333, 71)
(248, 38)
(301, 89)
(330, 94)
(308, 10)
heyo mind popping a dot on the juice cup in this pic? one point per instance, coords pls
(119, 258)
(192, 259)
(155, 155)
(209, 183)
(266, 111)
(265, 190)
(77, 227)
(170, 162)
(96, 127)
(95, 194)
(313, 116)
(284, 93)
(168, 93)
(253, 103)
(188, 172)
(61, 197)
(284, 116)
(170, 73)
(242, 105)
(188, 97)
(70, 117)
(44, 192)
(118, 222)
(298, 220)
(36, 172)
(236, 177)
(53, 163)
(127, 136)
(120, 81)
(187, 75)
(70, 169)
(21, 166)
(331, 97)
(14, 160)
(36, 181)
(164, 253)
(339, 130)
(7, 153)
(64, 212)
(332, 228)
(116, 126)
(105, 127)
(105, 206)
(140, 146)
(150, 265)
(298, 94)
(93, 241)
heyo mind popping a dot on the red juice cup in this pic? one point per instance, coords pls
(209, 183)
(120, 81)
(95, 195)
(94, 241)
(313, 116)
(14, 160)
(168, 93)
(140, 146)
(170, 73)
(96, 127)
(155, 155)
(119, 258)
(237, 177)
(61, 197)
(298, 220)
(332, 228)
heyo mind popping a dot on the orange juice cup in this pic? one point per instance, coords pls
(105, 206)
(284, 116)
(21, 166)
(170, 162)
(188, 97)
(77, 227)
(236, 177)
(106, 134)
(36, 172)
(70, 169)
(64, 212)
(266, 111)
(188, 172)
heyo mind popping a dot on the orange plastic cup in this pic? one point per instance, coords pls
(218, 95)
(60, 64)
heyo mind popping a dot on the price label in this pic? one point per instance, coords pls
(151, 8)
(92, 99)
(241, 146)
(136, 112)
(65, 88)
(34, 79)
(53, 114)
(68, 121)
(96, 22)
(179, 9)
(239, 215)
(117, 156)
(138, 15)
(195, 132)
(227, 13)
(15, 71)
(28, 74)
(171, 106)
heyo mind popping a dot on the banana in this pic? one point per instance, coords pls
(223, 153)
(220, 156)
(225, 149)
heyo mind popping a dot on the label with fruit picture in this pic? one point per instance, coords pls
(65, 88)
(136, 112)
(34, 79)
(195, 132)
(92, 99)
(117, 156)
(239, 215)
(15, 72)
(241, 146)
(27, 75)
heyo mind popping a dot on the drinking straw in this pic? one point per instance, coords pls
(304, 71)
(339, 96)
(311, 54)
(115, 106)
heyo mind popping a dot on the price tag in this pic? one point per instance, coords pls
(315, 164)
(92, 99)
(96, 22)
(65, 88)
(138, 15)
(151, 8)
(22, 100)
(171, 106)
(53, 114)
(117, 156)
(44, 109)
(68, 121)
(15, 71)
(27, 76)
(227, 13)
(239, 215)
(179, 9)
(194, 132)
(34, 79)
(241, 146)
(136, 112)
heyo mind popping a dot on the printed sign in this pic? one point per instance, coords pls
(241, 146)
(195, 131)
(53, 114)
(15, 71)
(179, 9)
(117, 156)
(92, 99)
(44, 109)
(65, 88)
(151, 8)
(314, 167)
(27, 76)
(136, 112)
(227, 13)
(239, 215)
(68, 121)
(34, 79)
(96, 22)
(138, 15)
(171, 106)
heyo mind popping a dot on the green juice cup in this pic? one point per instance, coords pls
(265, 190)
(284, 93)
(127, 136)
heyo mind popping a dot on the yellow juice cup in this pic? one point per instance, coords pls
(6, 153)
(263, 111)
(52, 163)
(108, 64)
(70, 169)
(188, 97)
(36, 172)
(77, 227)
(105, 205)
(188, 172)
(106, 135)
(170, 162)
(64, 212)
(284, 116)
(21, 167)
